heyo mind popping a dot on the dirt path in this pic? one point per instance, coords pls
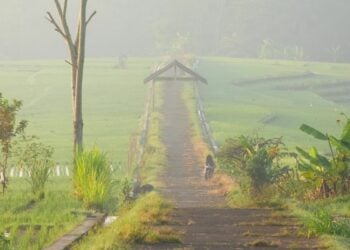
(202, 218)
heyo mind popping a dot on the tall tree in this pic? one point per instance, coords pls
(76, 48)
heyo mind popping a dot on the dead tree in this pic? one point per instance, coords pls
(76, 48)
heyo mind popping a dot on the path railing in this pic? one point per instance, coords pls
(207, 132)
(138, 142)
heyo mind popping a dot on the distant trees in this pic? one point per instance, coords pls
(76, 48)
(269, 49)
(307, 30)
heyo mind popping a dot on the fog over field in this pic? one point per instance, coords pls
(308, 30)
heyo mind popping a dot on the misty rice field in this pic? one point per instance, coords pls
(273, 98)
(113, 102)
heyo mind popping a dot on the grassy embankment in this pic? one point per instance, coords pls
(113, 105)
(143, 221)
(237, 102)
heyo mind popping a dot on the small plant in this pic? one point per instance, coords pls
(36, 158)
(125, 187)
(92, 178)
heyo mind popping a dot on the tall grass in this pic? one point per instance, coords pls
(92, 178)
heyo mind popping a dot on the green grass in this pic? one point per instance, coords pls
(328, 217)
(37, 225)
(234, 110)
(113, 102)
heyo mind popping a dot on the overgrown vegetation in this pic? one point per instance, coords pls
(92, 178)
(254, 161)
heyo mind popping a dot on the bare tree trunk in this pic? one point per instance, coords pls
(78, 118)
(77, 54)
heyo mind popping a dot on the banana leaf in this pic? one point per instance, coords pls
(313, 132)
(314, 157)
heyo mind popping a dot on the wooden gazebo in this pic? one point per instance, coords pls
(175, 71)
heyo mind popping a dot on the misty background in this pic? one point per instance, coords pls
(286, 29)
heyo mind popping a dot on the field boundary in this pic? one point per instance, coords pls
(67, 240)
(274, 78)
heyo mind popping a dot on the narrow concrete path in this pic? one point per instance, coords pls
(202, 218)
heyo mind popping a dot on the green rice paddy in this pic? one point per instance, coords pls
(245, 96)
(113, 102)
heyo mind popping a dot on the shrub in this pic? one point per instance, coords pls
(9, 128)
(255, 161)
(259, 169)
(92, 178)
(36, 158)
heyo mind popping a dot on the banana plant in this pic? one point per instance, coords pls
(336, 170)
(316, 168)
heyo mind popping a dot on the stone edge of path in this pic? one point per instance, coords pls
(67, 240)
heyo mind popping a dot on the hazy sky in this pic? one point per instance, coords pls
(26, 33)
(139, 27)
